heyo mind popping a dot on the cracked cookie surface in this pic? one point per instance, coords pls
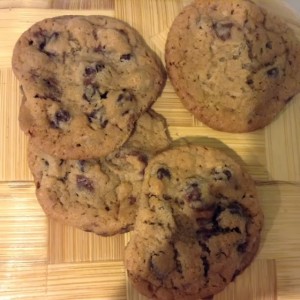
(198, 225)
(87, 79)
(99, 195)
(233, 65)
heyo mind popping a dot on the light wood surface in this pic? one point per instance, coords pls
(43, 259)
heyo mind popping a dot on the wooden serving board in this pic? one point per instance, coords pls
(43, 259)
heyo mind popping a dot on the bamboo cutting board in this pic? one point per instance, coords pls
(43, 259)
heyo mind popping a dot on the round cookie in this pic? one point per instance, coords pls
(233, 65)
(86, 79)
(98, 195)
(198, 225)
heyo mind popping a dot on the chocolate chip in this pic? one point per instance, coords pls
(51, 88)
(38, 185)
(82, 164)
(143, 158)
(92, 92)
(223, 30)
(64, 178)
(61, 116)
(242, 247)
(205, 265)
(269, 45)
(99, 67)
(221, 173)
(45, 162)
(249, 81)
(50, 82)
(167, 197)
(103, 95)
(194, 196)
(99, 49)
(125, 96)
(235, 209)
(132, 200)
(177, 261)
(273, 73)
(93, 69)
(46, 39)
(204, 247)
(163, 173)
(30, 42)
(228, 174)
(193, 193)
(42, 45)
(104, 123)
(89, 92)
(98, 115)
(125, 57)
(84, 183)
(218, 210)
(89, 71)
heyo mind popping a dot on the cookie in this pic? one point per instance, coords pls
(198, 225)
(86, 79)
(233, 65)
(98, 195)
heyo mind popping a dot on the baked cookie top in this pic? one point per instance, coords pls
(86, 79)
(98, 195)
(233, 65)
(198, 224)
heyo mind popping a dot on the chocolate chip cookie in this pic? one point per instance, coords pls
(86, 79)
(234, 65)
(198, 225)
(98, 195)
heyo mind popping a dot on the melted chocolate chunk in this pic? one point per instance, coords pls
(98, 115)
(103, 95)
(227, 173)
(273, 73)
(84, 183)
(205, 265)
(93, 69)
(92, 92)
(61, 116)
(269, 45)
(250, 81)
(125, 57)
(163, 173)
(223, 30)
(89, 71)
(124, 97)
(221, 173)
(45, 40)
